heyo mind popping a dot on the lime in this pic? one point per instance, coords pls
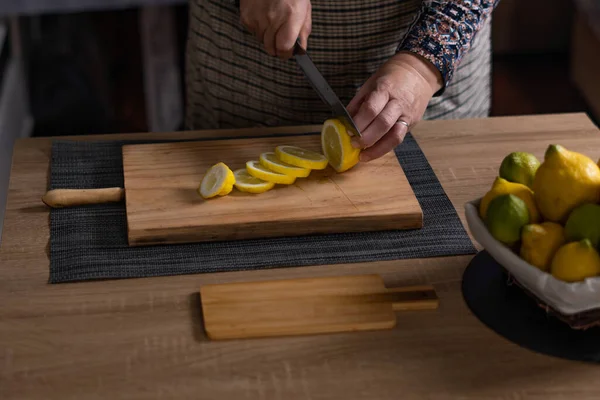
(506, 215)
(502, 186)
(584, 223)
(519, 167)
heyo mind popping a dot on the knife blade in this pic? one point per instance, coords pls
(320, 85)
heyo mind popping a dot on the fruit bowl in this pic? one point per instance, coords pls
(577, 304)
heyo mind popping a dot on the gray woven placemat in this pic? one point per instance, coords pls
(90, 242)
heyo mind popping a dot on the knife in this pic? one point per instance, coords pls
(321, 86)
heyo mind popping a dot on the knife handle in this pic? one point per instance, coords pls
(59, 198)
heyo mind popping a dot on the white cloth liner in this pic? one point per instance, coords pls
(566, 298)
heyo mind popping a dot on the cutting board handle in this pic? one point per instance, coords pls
(407, 298)
(58, 198)
(414, 298)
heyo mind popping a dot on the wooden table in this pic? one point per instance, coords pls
(142, 338)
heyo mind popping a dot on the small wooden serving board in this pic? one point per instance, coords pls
(307, 306)
(163, 205)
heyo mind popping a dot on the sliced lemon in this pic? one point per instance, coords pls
(270, 161)
(337, 146)
(244, 182)
(300, 157)
(218, 181)
(258, 171)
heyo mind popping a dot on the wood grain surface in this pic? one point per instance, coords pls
(144, 338)
(302, 306)
(163, 205)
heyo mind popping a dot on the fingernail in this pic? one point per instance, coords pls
(355, 144)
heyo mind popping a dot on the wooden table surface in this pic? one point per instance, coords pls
(143, 338)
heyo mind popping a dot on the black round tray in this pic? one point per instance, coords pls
(513, 314)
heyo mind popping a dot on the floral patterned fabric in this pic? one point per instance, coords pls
(444, 31)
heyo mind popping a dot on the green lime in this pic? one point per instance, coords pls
(519, 167)
(584, 223)
(506, 216)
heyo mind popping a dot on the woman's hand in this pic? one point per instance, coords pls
(278, 23)
(399, 91)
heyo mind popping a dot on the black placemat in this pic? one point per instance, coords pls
(513, 314)
(90, 242)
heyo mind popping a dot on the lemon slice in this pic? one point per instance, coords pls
(300, 157)
(218, 181)
(244, 182)
(258, 171)
(337, 146)
(270, 161)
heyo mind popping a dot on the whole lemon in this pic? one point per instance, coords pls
(502, 186)
(584, 223)
(506, 215)
(576, 261)
(565, 180)
(519, 167)
(539, 243)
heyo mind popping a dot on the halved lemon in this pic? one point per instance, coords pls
(270, 161)
(218, 181)
(244, 182)
(337, 146)
(258, 171)
(300, 157)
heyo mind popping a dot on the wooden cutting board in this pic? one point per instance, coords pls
(163, 205)
(307, 306)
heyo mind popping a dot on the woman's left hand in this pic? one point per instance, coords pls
(399, 91)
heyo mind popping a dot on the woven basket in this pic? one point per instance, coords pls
(576, 304)
(581, 321)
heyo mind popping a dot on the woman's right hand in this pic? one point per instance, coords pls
(278, 23)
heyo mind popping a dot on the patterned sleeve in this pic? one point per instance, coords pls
(444, 30)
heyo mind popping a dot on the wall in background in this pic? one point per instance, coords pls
(15, 120)
(585, 59)
(532, 26)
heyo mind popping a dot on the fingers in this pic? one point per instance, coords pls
(278, 24)
(286, 36)
(268, 39)
(248, 21)
(388, 142)
(382, 123)
(358, 99)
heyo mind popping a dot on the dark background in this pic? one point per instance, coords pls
(84, 69)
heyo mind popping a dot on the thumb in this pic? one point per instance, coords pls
(356, 102)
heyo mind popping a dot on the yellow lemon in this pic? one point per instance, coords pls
(244, 182)
(270, 161)
(565, 180)
(337, 146)
(502, 186)
(218, 181)
(539, 243)
(255, 169)
(576, 261)
(300, 157)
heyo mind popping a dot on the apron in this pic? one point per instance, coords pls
(231, 82)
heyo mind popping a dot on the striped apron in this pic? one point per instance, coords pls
(231, 82)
